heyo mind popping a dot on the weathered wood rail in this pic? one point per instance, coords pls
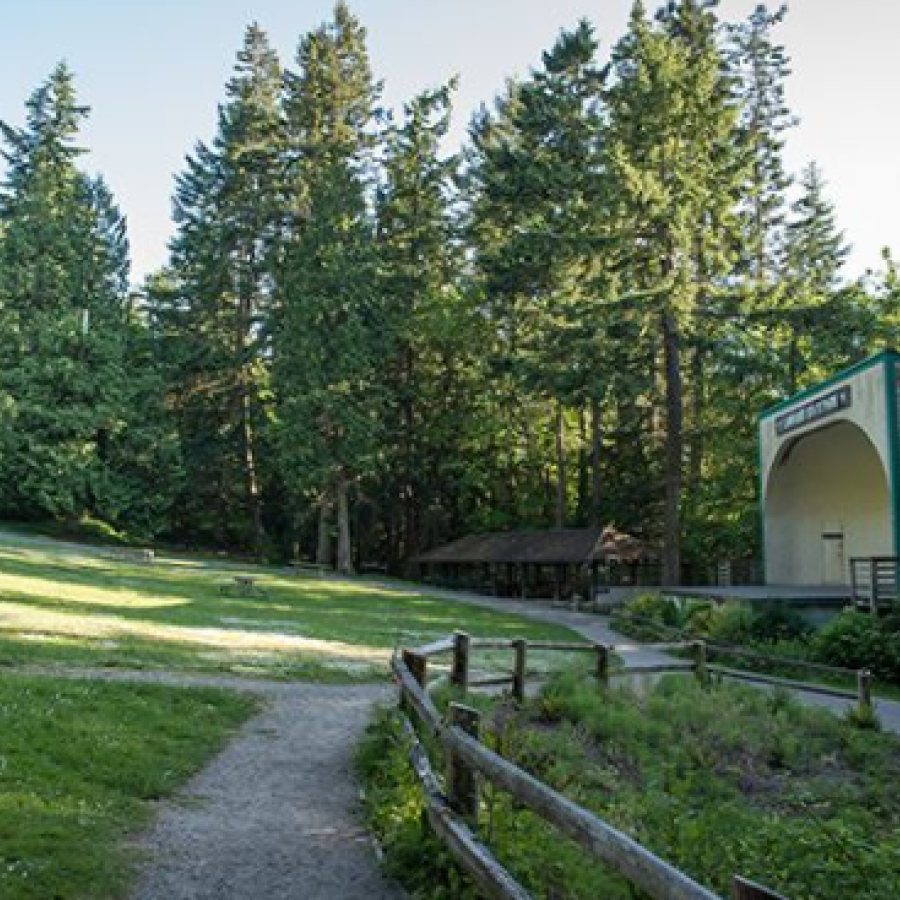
(453, 812)
(862, 677)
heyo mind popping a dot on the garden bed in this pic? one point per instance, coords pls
(718, 781)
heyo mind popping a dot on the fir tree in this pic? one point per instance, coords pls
(330, 341)
(430, 323)
(761, 68)
(231, 212)
(673, 124)
(63, 278)
(814, 253)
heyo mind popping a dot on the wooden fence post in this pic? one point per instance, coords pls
(602, 664)
(520, 649)
(700, 670)
(462, 779)
(459, 671)
(864, 690)
(418, 668)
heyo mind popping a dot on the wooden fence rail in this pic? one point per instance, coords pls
(455, 815)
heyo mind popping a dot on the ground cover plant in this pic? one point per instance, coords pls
(718, 781)
(81, 764)
(75, 606)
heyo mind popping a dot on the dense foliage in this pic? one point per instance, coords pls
(718, 781)
(364, 338)
(859, 640)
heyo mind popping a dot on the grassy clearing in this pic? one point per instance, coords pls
(719, 781)
(73, 606)
(80, 766)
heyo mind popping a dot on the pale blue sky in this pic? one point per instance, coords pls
(154, 70)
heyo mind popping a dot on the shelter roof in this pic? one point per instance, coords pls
(568, 545)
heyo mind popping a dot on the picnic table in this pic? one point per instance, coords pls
(244, 586)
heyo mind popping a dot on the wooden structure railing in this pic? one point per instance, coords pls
(873, 581)
(453, 811)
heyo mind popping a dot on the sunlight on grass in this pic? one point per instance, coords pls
(96, 609)
(24, 618)
(93, 594)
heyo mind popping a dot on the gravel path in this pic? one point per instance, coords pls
(275, 814)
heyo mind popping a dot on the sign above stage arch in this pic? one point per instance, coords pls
(817, 409)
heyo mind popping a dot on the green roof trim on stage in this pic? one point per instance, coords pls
(869, 363)
(890, 376)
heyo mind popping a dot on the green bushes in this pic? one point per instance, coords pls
(650, 615)
(856, 640)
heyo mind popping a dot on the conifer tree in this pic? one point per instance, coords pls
(330, 341)
(673, 122)
(761, 67)
(537, 208)
(63, 350)
(231, 211)
(428, 373)
(814, 254)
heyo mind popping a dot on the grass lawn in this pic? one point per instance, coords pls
(718, 781)
(61, 604)
(81, 764)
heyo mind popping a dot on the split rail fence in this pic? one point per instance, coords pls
(862, 677)
(453, 809)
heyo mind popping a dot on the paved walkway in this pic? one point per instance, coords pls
(597, 628)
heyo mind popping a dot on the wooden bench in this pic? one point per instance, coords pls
(137, 554)
(304, 568)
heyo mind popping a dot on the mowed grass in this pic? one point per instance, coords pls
(70, 606)
(80, 766)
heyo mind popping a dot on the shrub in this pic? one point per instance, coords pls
(732, 624)
(859, 640)
(777, 622)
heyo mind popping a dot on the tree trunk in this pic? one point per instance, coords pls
(583, 477)
(596, 454)
(674, 449)
(561, 511)
(252, 475)
(344, 548)
(323, 549)
(793, 364)
(409, 493)
(697, 443)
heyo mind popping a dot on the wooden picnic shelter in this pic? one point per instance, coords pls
(558, 563)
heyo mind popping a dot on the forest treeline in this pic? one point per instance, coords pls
(364, 345)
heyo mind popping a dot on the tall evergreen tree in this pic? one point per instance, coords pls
(429, 373)
(673, 121)
(231, 211)
(814, 254)
(761, 67)
(330, 341)
(65, 330)
(537, 208)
